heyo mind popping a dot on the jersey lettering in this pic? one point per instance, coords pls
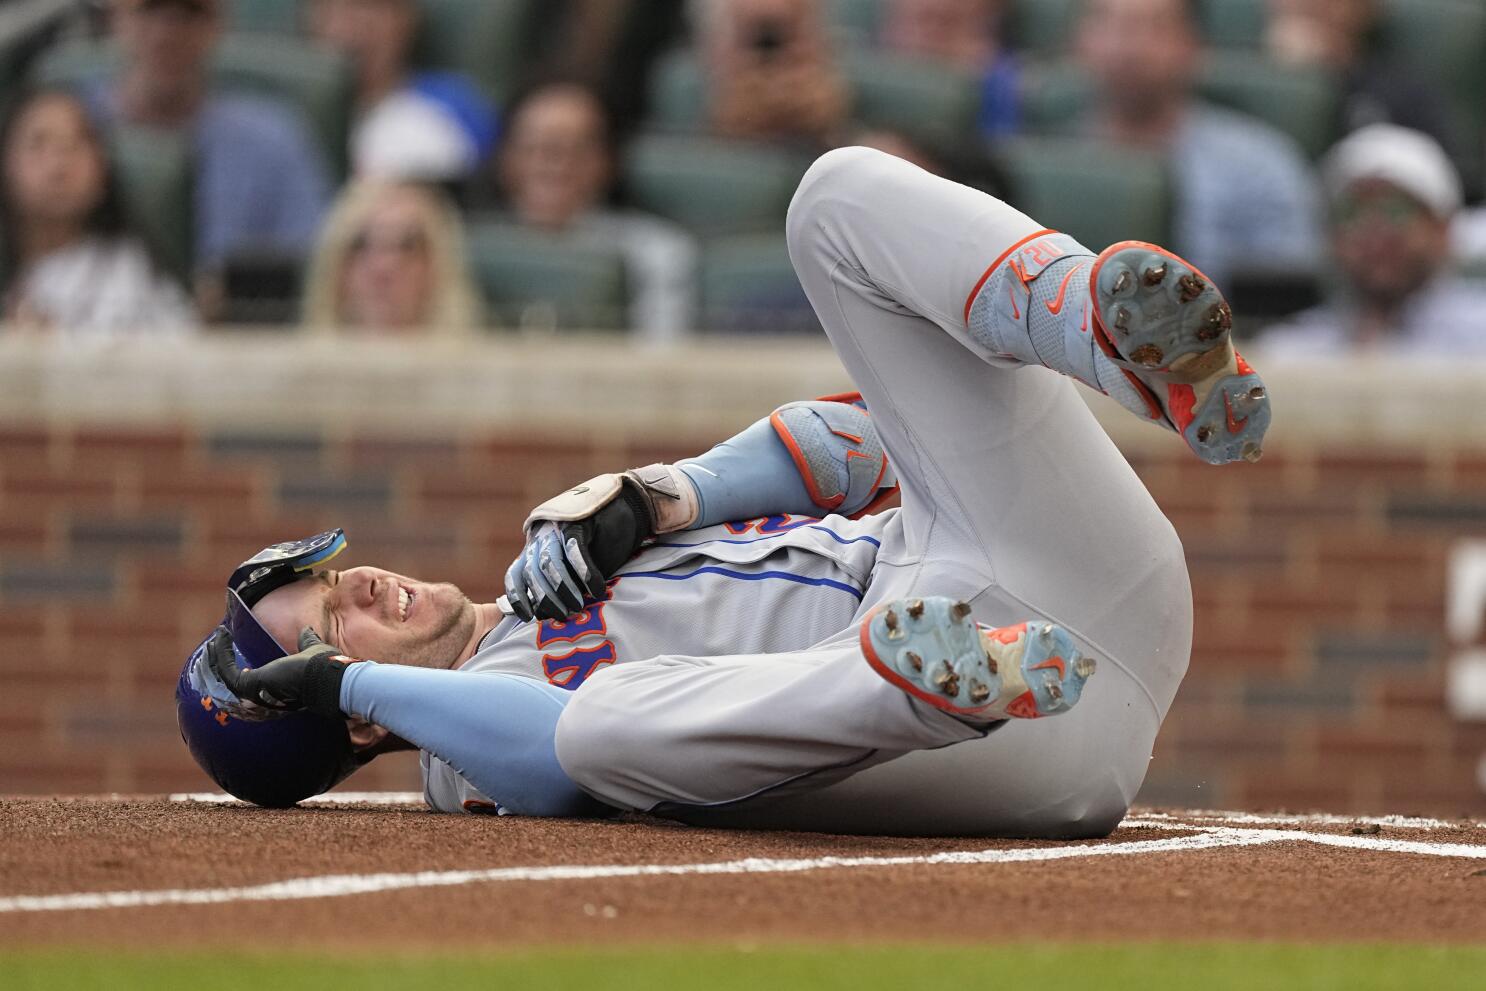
(573, 668)
(579, 625)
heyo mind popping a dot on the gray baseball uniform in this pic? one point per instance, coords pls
(717, 690)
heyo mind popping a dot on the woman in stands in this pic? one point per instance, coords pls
(391, 260)
(69, 261)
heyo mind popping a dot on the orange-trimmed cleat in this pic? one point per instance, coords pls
(931, 649)
(1166, 326)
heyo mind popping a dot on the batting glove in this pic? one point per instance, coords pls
(309, 680)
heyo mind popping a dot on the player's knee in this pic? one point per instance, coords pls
(831, 173)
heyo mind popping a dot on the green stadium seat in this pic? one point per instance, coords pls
(488, 40)
(264, 16)
(155, 179)
(1302, 102)
(855, 21)
(532, 278)
(916, 96)
(1041, 27)
(749, 286)
(1093, 191)
(1445, 42)
(712, 185)
(1233, 23)
(316, 82)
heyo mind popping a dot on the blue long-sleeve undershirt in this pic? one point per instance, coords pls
(495, 729)
(747, 476)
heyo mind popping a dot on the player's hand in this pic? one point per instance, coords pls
(309, 680)
(576, 541)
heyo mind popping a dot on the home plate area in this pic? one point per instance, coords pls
(377, 869)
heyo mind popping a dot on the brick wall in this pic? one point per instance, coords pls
(126, 494)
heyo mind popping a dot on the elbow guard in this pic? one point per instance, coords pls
(837, 452)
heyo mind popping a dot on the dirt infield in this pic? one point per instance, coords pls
(382, 872)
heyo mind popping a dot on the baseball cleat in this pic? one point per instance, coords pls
(1165, 324)
(931, 649)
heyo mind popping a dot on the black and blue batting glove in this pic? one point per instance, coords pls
(309, 680)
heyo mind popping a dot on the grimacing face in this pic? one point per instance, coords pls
(360, 611)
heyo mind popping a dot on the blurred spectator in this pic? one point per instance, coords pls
(963, 34)
(1337, 35)
(391, 261)
(1244, 192)
(259, 186)
(70, 262)
(770, 70)
(433, 126)
(1393, 194)
(556, 170)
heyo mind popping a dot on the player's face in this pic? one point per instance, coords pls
(1386, 242)
(375, 615)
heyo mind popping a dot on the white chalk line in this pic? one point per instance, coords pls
(341, 885)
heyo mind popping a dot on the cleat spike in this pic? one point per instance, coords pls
(1252, 452)
(951, 685)
(1084, 666)
(1054, 690)
(991, 663)
(1204, 434)
(1191, 287)
(1148, 355)
(979, 692)
(1122, 283)
(1257, 392)
(1046, 632)
(1122, 320)
(1154, 276)
(1219, 321)
(890, 620)
(959, 611)
(915, 608)
(915, 660)
(942, 675)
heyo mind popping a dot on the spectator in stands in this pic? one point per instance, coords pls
(260, 187)
(770, 70)
(556, 171)
(69, 262)
(1243, 190)
(1393, 194)
(963, 34)
(391, 261)
(1338, 35)
(428, 125)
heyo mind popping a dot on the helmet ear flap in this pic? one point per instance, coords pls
(275, 763)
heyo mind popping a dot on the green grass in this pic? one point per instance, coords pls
(1039, 967)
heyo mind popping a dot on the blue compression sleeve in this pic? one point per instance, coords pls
(748, 476)
(495, 729)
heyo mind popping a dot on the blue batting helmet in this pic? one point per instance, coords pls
(267, 758)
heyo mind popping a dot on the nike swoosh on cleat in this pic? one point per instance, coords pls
(1234, 426)
(1016, 311)
(1053, 662)
(1056, 306)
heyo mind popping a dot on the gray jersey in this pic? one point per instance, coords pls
(782, 583)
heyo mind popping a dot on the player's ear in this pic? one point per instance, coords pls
(364, 735)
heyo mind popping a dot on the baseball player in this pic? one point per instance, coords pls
(737, 639)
